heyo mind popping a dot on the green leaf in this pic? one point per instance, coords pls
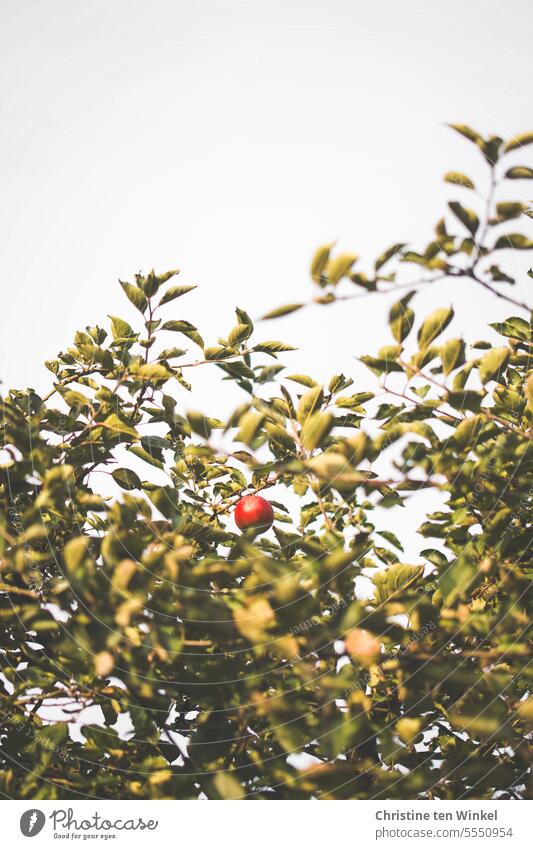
(309, 403)
(75, 552)
(126, 479)
(395, 580)
(467, 432)
(238, 334)
(506, 210)
(517, 241)
(217, 352)
(315, 429)
(186, 328)
(199, 424)
(135, 295)
(518, 141)
(272, 347)
(146, 456)
(152, 372)
(452, 354)
(529, 393)
(467, 399)
(339, 382)
(280, 311)
(457, 578)
(339, 267)
(388, 254)
(171, 353)
(459, 179)
(330, 465)
(466, 216)
(249, 426)
(519, 172)
(392, 538)
(467, 132)
(319, 262)
(226, 786)
(434, 325)
(175, 292)
(381, 365)
(492, 364)
(114, 424)
(243, 317)
(353, 402)
(121, 329)
(514, 328)
(304, 379)
(401, 318)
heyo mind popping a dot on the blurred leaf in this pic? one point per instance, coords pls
(517, 241)
(434, 324)
(280, 311)
(518, 141)
(519, 172)
(126, 479)
(492, 364)
(401, 318)
(316, 428)
(466, 216)
(394, 580)
(459, 179)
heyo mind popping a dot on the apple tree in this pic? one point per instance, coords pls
(153, 648)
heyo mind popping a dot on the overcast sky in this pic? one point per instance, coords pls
(230, 139)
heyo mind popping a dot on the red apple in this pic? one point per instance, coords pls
(252, 511)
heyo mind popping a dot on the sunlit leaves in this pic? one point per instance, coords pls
(434, 325)
(339, 267)
(116, 426)
(452, 355)
(316, 428)
(135, 295)
(186, 328)
(199, 423)
(309, 403)
(401, 318)
(514, 327)
(174, 292)
(249, 426)
(121, 329)
(492, 364)
(272, 347)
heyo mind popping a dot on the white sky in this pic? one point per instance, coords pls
(230, 139)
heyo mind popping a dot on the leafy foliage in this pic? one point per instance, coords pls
(248, 666)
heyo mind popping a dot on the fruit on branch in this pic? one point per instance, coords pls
(252, 511)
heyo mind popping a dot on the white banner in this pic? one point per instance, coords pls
(263, 825)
